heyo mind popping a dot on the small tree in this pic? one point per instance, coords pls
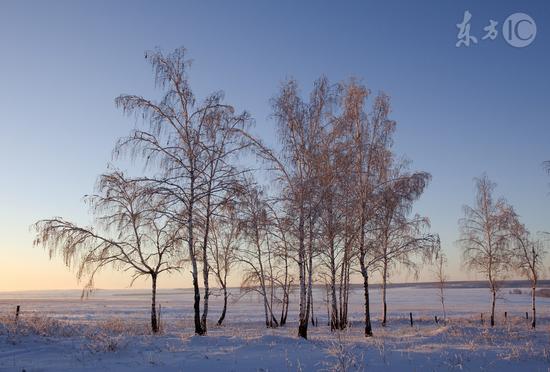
(441, 277)
(528, 256)
(223, 245)
(257, 254)
(279, 234)
(372, 141)
(485, 237)
(299, 124)
(129, 235)
(400, 237)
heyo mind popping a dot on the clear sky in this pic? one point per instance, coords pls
(460, 111)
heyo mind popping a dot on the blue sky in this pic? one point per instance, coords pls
(460, 111)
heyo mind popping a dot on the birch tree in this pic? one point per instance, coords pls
(441, 279)
(402, 238)
(299, 125)
(191, 147)
(223, 247)
(257, 253)
(372, 140)
(281, 240)
(332, 164)
(129, 234)
(528, 254)
(485, 237)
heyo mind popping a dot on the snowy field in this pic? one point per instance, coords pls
(109, 331)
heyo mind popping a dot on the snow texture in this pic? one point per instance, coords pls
(56, 331)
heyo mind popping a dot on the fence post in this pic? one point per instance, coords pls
(411, 318)
(17, 312)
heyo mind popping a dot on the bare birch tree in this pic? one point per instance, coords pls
(335, 160)
(129, 235)
(441, 278)
(223, 247)
(192, 147)
(332, 164)
(485, 237)
(401, 238)
(528, 254)
(370, 140)
(281, 239)
(257, 254)
(299, 127)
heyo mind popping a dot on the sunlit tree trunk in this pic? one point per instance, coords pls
(154, 320)
(194, 269)
(225, 294)
(303, 315)
(494, 296)
(205, 265)
(384, 284)
(284, 307)
(368, 326)
(534, 321)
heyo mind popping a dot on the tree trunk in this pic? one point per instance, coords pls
(194, 272)
(266, 311)
(327, 302)
(284, 307)
(273, 320)
(368, 326)
(341, 295)
(365, 274)
(534, 321)
(222, 317)
(384, 276)
(311, 302)
(493, 308)
(333, 304)
(154, 322)
(206, 295)
(261, 278)
(309, 271)
(205, 267)
(345, 297)
(197, 301)
(309, 290)
(442, 296)
(302, 325)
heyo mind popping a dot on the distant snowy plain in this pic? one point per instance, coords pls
(109, 331)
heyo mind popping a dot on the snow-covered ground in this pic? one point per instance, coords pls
(109, 331)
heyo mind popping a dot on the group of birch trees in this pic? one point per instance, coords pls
(349, 194)
(338, 205)
(495, 243)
